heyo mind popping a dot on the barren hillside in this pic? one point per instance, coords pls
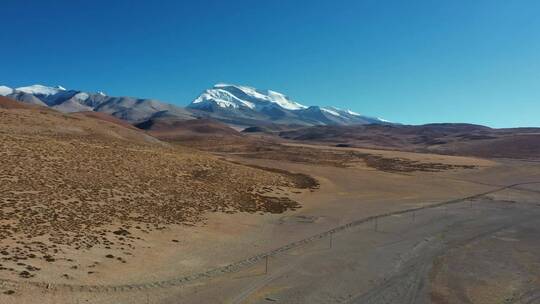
(75, 183)
(444, 138)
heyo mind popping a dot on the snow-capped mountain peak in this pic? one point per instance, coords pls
(4, 91)
(221, 98)
(284, 102)
(39, 89)
(81, 96)
(236, 96)
(243, 103)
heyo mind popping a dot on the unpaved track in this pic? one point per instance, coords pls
(407, 286)
(394, 265)
(243, 264)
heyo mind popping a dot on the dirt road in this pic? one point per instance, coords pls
(432, 257)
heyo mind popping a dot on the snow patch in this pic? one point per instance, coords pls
(223, 85)
(40, 90)
(4, 91)
(329, 111)
(223, 99)
(82, 96)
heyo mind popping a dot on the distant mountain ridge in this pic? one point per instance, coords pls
(246, 104)
(231, 104)
(133, 110)
(443, 138)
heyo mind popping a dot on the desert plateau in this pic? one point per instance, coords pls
(258, 152)
(100, 212)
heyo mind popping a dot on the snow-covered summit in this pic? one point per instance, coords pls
(243, 103)
(221, 98)
(236, 96)
(39, 89)
(82, 96)
(4, 91)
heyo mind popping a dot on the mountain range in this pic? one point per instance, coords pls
(235, 105)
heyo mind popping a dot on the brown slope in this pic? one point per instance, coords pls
(459, 139)
(204, 134)
(172, 129)
(24, 120)
(526, 146)
(105, 117)
(74, 189)
(6, 103)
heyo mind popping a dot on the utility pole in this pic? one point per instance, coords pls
(266, 265)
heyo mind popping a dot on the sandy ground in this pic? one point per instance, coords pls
(357, 266)
(424, 157)
(484, 253)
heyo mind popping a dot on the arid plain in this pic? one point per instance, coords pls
(94, 211)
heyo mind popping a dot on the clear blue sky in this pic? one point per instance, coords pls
(406, 61)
